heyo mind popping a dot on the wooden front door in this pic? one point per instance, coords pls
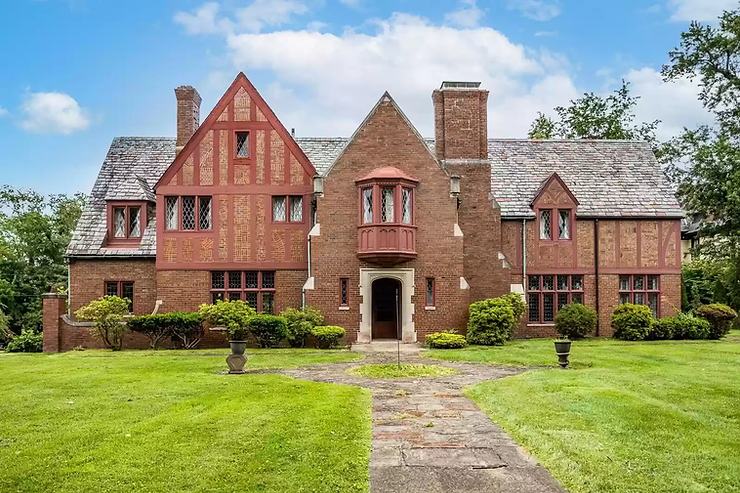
(386, 299)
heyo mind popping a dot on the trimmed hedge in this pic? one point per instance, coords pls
(327, 336)
(576, 321)
(269, 330)
(720, 318)
(445, 340)
(492, 322)
(691, 327)
(663, 329)
(300, 322)
(632, 322)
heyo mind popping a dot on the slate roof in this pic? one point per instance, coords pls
(610, 178)
(130, 171)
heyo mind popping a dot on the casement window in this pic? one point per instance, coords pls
(548, 294)
(127, 221)
(395, 204)
(387, 204)
(257, 288)
(242, 145)
(430, 292)
(344, 291)
(367, 205)
(555, 224)
(641, 290)
(406, 205)
(287, 209)
(188, 213)
(122, 289)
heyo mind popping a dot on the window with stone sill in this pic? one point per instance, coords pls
(127, 222)
(344, 291)
(430, 292)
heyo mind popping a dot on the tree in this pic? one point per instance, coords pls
(597, 117)
(34, 233)
(106, 314)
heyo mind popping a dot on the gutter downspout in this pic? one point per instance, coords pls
(524, 255)
(69, 288)
(596, 272)
(303, 291)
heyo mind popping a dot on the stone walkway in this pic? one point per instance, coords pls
(428, 437)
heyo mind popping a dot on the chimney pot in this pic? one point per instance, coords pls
(188, 114)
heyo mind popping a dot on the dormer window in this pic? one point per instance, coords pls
(564, 224)
(555, 210)
(545, 224)
(126, 222)
(555, 224)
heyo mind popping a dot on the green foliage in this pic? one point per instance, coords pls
(5, 333)
(34, 232)
(188, 327)
(492, 322)
(27, 342)
(542, 128)
(719, 316)
(401, 371)
(690, 327)
(269, 330)
(576, 321)
(327, 336)
(107, 316)
(664, 329)
(631, 322)
(233, 315)
(445, 340)
(152, 326)
(300, 322)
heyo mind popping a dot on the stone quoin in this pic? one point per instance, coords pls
(390, 234)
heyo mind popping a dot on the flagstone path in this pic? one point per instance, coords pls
(428, 437)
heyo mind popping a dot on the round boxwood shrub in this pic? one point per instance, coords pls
(269, 330)
(491, 322)
(575, 321)
(691, 327)
(327, 336)
(300, 322)
(445, 340)
(720, 318)
(663, 329)
(631, 322)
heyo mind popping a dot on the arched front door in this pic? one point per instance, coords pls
(386, 308)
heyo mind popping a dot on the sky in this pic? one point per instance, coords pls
(74, 74)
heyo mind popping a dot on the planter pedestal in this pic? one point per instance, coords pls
(236, 360)
(562, 349)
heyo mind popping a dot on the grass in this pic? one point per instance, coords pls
(402, 371)
(652, 417)
(150, 421)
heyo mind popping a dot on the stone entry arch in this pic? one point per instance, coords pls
(406, 279)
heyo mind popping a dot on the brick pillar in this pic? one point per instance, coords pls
(55, 305)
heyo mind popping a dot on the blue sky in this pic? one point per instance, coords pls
(76, 73)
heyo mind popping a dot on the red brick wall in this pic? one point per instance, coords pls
(88, 279)
(387, 140)
(461, 124)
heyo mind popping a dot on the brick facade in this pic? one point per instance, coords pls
(458, 240)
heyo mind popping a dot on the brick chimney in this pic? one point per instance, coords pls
(461, 121)
(188, 114)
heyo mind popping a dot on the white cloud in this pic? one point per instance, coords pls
(316, 25)
(467, 16)
(541, 34)
(683, 110)
(539, 10)
(699, 10)
(252, 18)
(53, 112)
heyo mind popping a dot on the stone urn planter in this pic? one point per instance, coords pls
(562, 349)
(236, 360)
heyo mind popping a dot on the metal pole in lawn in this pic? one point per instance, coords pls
(398, 335)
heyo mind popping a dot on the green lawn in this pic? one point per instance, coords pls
(400, 371)
(150, 421)
(654, 417)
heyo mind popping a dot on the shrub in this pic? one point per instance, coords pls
(663, 329)
(691, 327)
(232, 315)
(445, 340)
(720, 318)
(28, 342)
(152, 326)
(107, 317)
(492, 322)
(575, 321)
(300, 322)
(631, 322)
(269, 330)
(517, 304)
(327, 336)
(188, 327)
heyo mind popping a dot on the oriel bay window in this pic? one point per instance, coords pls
(257, 288)
(395, 204)
(641, 290)
(547, 294)
(188, 213)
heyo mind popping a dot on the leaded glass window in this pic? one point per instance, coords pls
(217, 280)
(564, 225)
(170, 208)
(367, 205)
(257, 288)
(534, 307)
(134, 221)
(268, 302)
(296, 209)
(119, 222)
(548, 307)
(127, 292)
(345, 292)
(278, 209)
(576, 283)
(188, 213)
(205, 214)
(268, 280)
(111, 288)
(242, 144)
(548, 283)
(235, 280)
(251, 299)
(545, 231)
(406, 205)
(251, 278)
(430, 291)
(387, 204)
(548, 294)
(641, 290)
